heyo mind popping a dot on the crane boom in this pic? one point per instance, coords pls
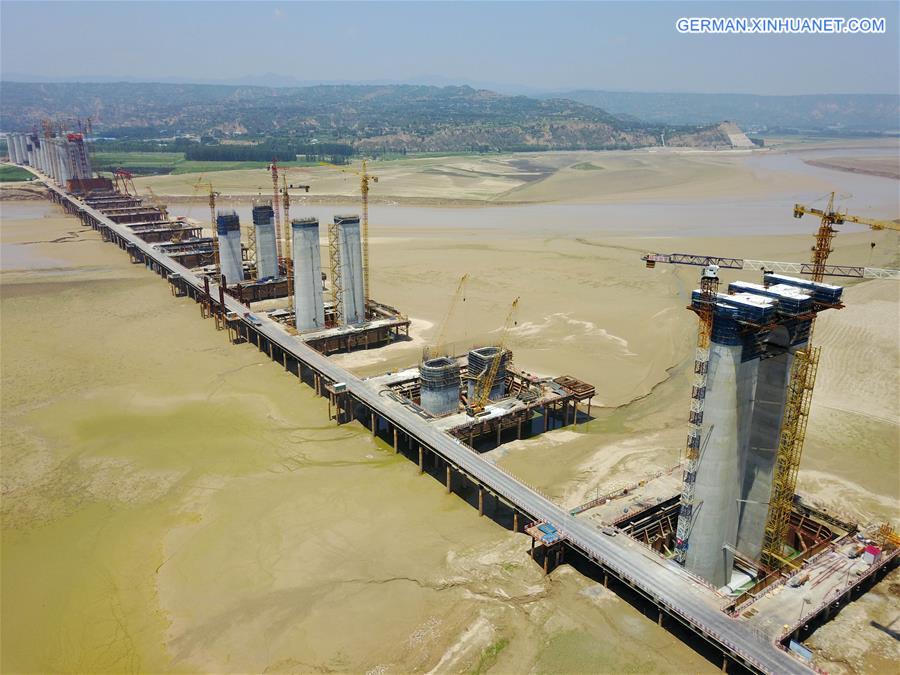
(848, 271)
(824, 235)
(486, 380)
(437, 347)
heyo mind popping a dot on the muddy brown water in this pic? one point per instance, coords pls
(175, 503)
(172, 502)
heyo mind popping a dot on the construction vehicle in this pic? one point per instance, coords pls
(849, 271)
(438, 348)
(709, 290)
(485, 381)
(829, 218)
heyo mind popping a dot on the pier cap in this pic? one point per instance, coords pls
(303, 223)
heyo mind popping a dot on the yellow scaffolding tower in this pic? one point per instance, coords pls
(334, 266)
(790, 448)
(705, 310)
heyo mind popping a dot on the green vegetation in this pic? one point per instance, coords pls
(398, 156)
(156, 163)
(334, 153)
(587, 166)
(10, 174)
(489, 656)
(331, 122)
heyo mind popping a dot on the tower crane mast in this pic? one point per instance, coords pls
(829, 218)
(279, 248)
(212, 194)
(288, 253)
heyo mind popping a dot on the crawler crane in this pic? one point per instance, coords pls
(438, 348)
(485, 381)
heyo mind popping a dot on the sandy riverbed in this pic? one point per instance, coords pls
(171, 502)
(612, 177)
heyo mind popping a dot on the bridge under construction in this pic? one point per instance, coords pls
(628, 554)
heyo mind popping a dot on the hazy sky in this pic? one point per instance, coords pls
(541, 45)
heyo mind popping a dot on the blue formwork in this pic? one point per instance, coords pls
(726, 330)
(263, 214)
(798, 330)
(227, 221)
(791, 299)
(824, 293)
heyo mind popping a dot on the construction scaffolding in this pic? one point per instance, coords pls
(790, 449)
(709, 289)
(334, 266)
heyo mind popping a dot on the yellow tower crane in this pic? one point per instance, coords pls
(279, 246)
(787, 456)
(800, 389)
(212, 218)
(829, 218)
(485, 381)
(364, 179)
(286, 207)
(438, 348)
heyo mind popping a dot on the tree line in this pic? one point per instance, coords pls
(335, 153)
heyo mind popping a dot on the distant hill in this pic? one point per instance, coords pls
(852, 113)
(387, 118)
